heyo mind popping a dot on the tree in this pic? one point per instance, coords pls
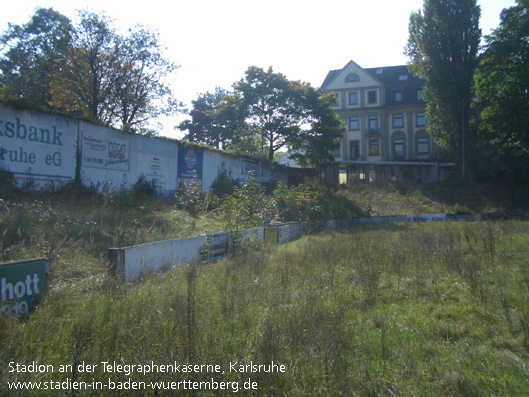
(204, 126)
(87, 70)
(502, 87)
(287, 114)
(84, 86)
(139, 90)
(31, 53)
(443, 48)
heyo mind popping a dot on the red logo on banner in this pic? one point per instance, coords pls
(190, 159)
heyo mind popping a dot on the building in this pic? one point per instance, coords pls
(384, 111)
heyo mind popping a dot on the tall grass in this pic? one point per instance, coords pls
(440, 309)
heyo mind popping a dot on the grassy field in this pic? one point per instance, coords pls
(438, 309)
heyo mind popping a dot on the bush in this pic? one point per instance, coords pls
(7, 181)
(144, 188)
(248, 207)
(191, 197)
(223, 185)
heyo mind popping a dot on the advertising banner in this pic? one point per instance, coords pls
(105, 152)
(217, 246)
(156, 160)
(249, 166)
(190, 163)
(37, 148)
(22, 285)
(426, 218)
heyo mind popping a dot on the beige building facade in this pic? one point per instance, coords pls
(384, 112)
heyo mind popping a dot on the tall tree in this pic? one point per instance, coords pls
(205, 127)
(140, 92)
(31, 53)
(87, 70)
(443, 48)
(502, 87)
(84, 86)
(288, 114)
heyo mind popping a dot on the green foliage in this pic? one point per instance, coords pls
(443, 48)
(268, 112)
(86, 70)
(192, 198)
(7, 181)
(298, 203)
(247, 207)
(223, 184)
(502, 84)
(400, 310)
(144, 188)
(205, 127)
(31, 53)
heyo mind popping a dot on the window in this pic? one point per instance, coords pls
(354, 154)
(354, 123)
(351, 78)
(403, 77)
(353, 98)
(379, 70)
(373, 147)
(398, 96)
(373, 125)
(421, 120)
(419, 95)
(398, 121)
(371, 97)
(422, 145)
(398, 148)
(337, 103)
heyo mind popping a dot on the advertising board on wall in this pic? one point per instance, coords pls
(426, 218)
(37, 147)
(22, 285)
(190, 164)
(249, 166)
(156, 160)
(104, 152)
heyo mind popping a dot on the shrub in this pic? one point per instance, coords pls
(223, 185)
(144, 188)
(248, 207)
(7, 181)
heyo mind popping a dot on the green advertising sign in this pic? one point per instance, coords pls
(22, 285)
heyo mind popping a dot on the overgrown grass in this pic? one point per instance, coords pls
(440, 309)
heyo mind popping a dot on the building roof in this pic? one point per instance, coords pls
(330, 77)
(394, 78)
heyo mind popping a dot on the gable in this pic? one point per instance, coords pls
(350, 77)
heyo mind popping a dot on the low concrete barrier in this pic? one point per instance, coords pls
(289, 232)
(130, 263)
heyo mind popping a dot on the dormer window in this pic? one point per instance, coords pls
(403, 77)
(352, 78)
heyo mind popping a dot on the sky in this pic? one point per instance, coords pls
(215, 41)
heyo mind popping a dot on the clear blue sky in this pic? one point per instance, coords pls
(215, 41)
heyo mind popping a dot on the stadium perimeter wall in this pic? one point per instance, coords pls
(47, 151)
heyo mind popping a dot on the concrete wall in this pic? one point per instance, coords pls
(46, 150)
(38, 148)
(130, 263)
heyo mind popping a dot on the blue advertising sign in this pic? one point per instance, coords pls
(190, 162)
